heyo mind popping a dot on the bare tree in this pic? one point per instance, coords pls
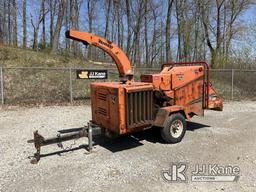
(24, 24)
(37, 24)
(90, 13)
(146, 31)
(107, 5)
(179, 28)
(185, 25)
(56, 37)
(234, 9)
(67, 22)
(9, 24)
(74, 15)
(113, 21)
(221, 30)
(153, 45)
(136, 31)
(14, 17)
(4, 23)
(197, 52)
(52, 7)
(149, 31)
(128, 15)
(122, 29)
(116, 23)
(43, 30)
(215, 51)
(108, 8)
(168, 31)
(1, 24)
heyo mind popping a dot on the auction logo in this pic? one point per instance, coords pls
(215, 173)
(91, 74)
(201, 173)
(176, 173)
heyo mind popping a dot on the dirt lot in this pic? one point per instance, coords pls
(129, 163)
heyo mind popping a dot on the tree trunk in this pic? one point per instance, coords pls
(56, 37)
(146, 32)
(153, 50)
(122, 33)
(90, 12)
(4, 22)
(118, 23)
(107, 19)
(52, 14)
(1, 32)
(14, 17)
(67, 23)
(74, 13)
(113, 20)
(205, 21)
(179, 52)
(137, 30)
(9, 23)
(36, 26)
(1, 25)
(216, 55)
(161, 43)
(197, 47)
(106, 33)
(128, 15)
(43, 30)
(24, 25)
(168, 31)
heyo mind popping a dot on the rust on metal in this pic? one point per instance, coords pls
(39, 141)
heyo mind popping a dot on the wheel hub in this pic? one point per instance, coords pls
(176, 128)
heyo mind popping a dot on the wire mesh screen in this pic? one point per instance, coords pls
(80, 87)
(27, 85)
(244, 85)
(51, 85)
(222, 82)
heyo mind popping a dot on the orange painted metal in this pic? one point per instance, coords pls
(109, 105)
(184, 84)
(127, 106)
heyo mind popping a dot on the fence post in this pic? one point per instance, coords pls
(232, 84)
(70, 85)
(2, 85)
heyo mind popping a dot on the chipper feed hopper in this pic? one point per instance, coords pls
(166, 99)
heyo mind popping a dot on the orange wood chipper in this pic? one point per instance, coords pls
(165, 100)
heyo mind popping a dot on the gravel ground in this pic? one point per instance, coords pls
(128, 163)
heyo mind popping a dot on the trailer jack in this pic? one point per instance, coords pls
(63, 135)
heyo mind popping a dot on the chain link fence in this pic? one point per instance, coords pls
(235, 84)
(53, 85)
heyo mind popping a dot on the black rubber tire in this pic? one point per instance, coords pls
(166, 132)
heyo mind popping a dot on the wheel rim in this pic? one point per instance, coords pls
(176, 128)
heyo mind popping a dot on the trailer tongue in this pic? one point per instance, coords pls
(39, 141)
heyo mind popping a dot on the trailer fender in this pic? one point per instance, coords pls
(164, 112)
